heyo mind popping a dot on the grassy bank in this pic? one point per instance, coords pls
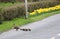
(21, 21)
(11, 11)
(4, 5)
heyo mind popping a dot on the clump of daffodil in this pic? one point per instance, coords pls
(45, 10)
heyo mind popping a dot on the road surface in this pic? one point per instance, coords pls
(48, 28)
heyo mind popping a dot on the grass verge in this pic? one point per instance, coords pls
(4, 5)
(20, 21)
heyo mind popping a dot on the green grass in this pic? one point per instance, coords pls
(21, 21)
(4, 5)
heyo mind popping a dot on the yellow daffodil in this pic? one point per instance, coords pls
(45, 10)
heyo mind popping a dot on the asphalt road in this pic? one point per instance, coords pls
(48, 28)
